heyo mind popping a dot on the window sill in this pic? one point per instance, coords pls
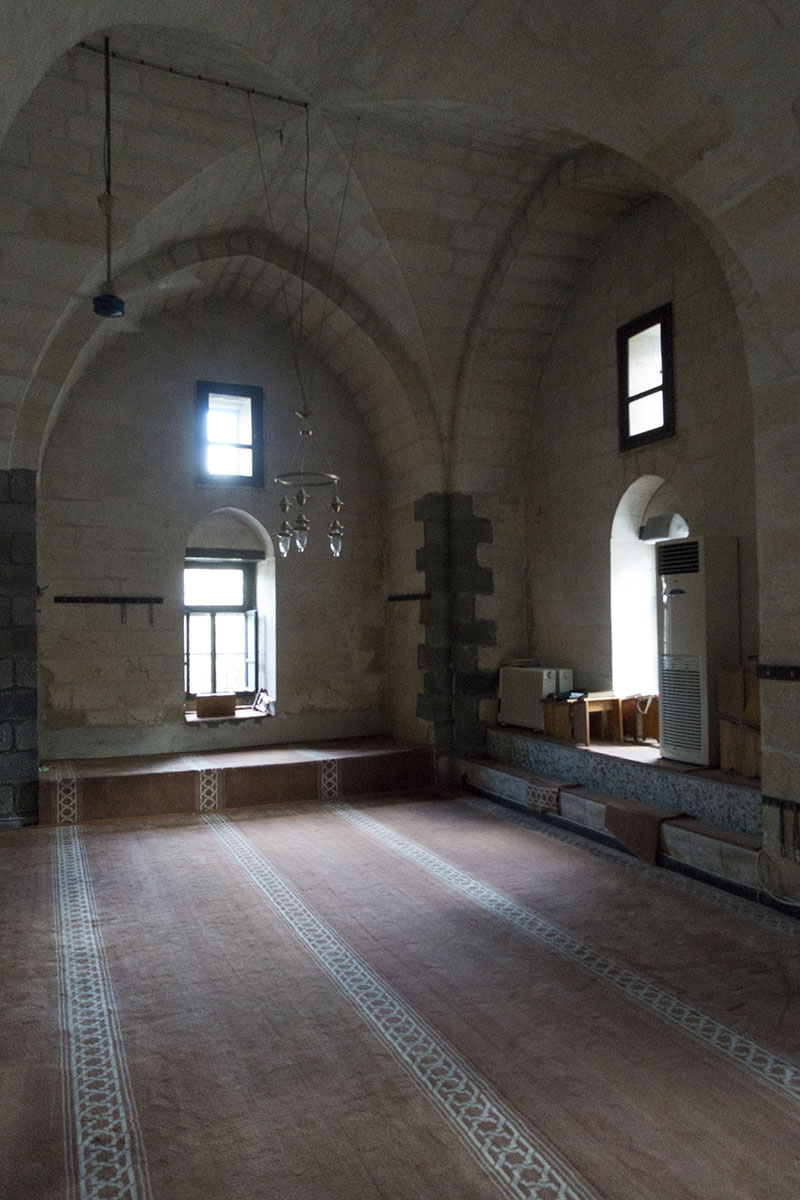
(242, 714)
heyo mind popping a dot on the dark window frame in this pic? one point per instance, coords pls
(662, 317)
(203, 388)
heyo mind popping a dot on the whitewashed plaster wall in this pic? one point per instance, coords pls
(576, 473)
(118, 500)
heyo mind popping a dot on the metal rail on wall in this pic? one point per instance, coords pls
(122, 601)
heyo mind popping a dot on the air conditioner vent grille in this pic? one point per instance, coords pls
(681, 558)
(681, 710)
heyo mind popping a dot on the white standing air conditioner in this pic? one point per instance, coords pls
(522, 690)
(698, 632)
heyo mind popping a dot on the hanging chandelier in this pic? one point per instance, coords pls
(303, 476)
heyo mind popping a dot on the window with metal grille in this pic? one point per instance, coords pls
(646, 379)
(220, 627)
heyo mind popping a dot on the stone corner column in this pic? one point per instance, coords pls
(19, 759)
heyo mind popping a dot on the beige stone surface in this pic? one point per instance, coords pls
(520, 180)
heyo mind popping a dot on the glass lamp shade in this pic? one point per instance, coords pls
(284, 538)
(335, 532)
(301, 527)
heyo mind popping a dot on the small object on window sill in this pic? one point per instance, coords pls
(216, 704)
(263, 703)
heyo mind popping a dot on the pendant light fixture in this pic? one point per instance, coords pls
(107, 304)
(309, 469)
(303, 476)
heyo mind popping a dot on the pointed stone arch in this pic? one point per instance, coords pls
(557, 234)
(249, 267)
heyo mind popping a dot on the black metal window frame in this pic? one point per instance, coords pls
(248, 608)
(662, 317)
(203, 389)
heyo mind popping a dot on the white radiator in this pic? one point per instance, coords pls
(522, 690)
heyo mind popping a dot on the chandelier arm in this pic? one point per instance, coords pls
(306, 479)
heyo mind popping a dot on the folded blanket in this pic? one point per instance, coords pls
(637, 827)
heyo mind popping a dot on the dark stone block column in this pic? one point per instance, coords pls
(19, 759)
(453, 685)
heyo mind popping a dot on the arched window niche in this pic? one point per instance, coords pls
(649, 512)
(231, 538)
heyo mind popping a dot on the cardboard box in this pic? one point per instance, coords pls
(750, 751)
(752, 695)
(557, 719)
(216, 704)
(731, 692)
(640, 718)
(740, 748)
(730, 745)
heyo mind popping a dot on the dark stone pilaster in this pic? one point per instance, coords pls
(19, 759)
(453, 686)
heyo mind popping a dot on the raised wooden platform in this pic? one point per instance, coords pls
(96, 789)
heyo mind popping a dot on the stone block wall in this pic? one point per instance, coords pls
(577, 474)
(454, 685)
(119, 498)
(18, 675)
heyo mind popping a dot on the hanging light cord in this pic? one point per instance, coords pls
(304, 267)
(339, 222)
(106, 199)
(271, 219)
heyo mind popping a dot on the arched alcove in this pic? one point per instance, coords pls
(230, 535)
(648, 506)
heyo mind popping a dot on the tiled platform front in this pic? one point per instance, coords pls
(729, 805)
(713, 852)
(96, 789)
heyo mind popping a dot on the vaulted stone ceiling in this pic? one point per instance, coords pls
(452, 127)
(434, 238)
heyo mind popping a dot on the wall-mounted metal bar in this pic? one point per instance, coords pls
(776, 803)
(108, 599)
(778, 673)
(410, 596)
(122, 601)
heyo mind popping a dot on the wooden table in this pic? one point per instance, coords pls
(603, 702)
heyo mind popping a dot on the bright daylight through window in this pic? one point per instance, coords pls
(646, 391)
(230, 433)
(220, 651)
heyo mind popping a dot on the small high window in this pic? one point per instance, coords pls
(646, 383)
(230, 433)
(220, 627)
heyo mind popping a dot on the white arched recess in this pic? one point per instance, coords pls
(634, 598)
(233, 529)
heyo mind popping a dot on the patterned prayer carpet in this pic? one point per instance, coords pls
(417, 998)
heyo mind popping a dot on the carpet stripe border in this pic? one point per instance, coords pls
(749, 910)
(521, 1163)
(104, 1151)
(778, 1073)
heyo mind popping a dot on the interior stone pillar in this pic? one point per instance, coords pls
(453, 684)
(19, 763)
